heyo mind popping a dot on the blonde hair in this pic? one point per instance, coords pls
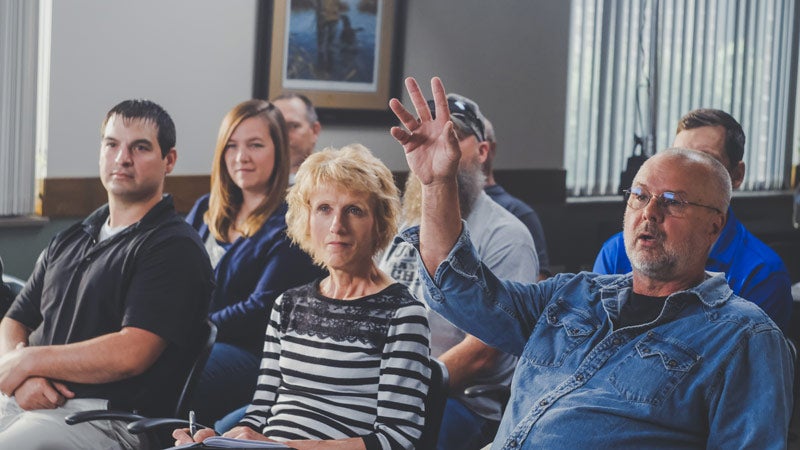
(355, 169)
(412, 201)
(226, 197)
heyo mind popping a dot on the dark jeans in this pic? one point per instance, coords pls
(462, 429)
(230, 421)
(228, 381)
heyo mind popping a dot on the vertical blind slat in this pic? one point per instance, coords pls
(732, 55)
(18, 65)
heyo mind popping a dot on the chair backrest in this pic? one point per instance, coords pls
(9, 288)
(788, 251)
(434, 404)
(14, 284)
(196, 369)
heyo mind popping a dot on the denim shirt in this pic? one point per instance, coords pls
(711, 371)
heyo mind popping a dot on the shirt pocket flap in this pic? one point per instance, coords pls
(674, 355)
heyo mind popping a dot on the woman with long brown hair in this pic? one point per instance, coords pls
(242, 223)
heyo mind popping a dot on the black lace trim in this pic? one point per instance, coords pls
(366, 320)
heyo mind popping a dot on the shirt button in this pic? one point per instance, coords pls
(512, 444)
(672, 363)
(543, 403)
(579, 377)
(616, 341)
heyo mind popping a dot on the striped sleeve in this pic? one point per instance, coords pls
(269, 376)
(404, 380)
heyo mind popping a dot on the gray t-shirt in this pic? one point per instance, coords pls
(507, 249)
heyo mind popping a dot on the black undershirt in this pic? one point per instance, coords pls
(639, 309)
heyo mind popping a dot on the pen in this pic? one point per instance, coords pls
(192, 424)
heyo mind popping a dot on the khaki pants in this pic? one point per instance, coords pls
(45, 429)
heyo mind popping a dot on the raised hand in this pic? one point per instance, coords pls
(431, 146)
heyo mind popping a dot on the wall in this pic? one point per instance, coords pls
(195, 57)
(192, 57)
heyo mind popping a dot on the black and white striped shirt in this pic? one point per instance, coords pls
(335, 369)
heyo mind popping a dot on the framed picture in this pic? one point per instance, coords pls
(345, 55)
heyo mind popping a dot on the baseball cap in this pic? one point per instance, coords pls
(465, 114)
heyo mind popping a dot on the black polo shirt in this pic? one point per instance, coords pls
(153, 275)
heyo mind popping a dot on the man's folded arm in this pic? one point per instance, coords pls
(104, 359)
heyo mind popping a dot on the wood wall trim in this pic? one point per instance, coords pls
(77, 197)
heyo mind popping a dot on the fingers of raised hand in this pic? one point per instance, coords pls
(418, 100)
(452, 138)
(440, 99)
(405, 117)
(400, 135)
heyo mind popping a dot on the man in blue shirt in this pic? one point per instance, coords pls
(663, 357)
(754, 271)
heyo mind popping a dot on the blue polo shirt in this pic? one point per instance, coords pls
(753, 270)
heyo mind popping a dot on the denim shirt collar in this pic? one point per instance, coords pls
(713, 291)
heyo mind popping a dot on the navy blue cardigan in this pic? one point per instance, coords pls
(251, 275)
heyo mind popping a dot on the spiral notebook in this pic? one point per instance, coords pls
(223, 442)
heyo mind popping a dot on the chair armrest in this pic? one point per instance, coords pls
(482, 390)
(101, 414)
(144, 425)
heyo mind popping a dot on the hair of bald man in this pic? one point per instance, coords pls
(719, 179)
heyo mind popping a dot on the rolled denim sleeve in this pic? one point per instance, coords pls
(464, 291)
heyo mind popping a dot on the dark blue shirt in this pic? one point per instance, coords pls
(753, 270)
(252, 273)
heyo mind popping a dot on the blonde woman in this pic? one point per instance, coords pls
(242, 223)
(345, 357)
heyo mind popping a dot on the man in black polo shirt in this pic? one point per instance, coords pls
(114, 304)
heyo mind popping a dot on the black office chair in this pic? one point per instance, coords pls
(435, 402)
(14, 284)
(9, 288)
(180, 410)
(501, 392)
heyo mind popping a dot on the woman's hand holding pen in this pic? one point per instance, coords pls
(183, 436)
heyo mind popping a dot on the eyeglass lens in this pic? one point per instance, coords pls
(638, 198)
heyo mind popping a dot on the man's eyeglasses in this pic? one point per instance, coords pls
(670, 202)
(464, 114)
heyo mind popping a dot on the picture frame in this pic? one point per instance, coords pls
(348, 62)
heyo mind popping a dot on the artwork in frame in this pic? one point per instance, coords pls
(345, 55)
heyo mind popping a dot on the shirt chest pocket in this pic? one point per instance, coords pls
(560, 330)
(652, 371)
